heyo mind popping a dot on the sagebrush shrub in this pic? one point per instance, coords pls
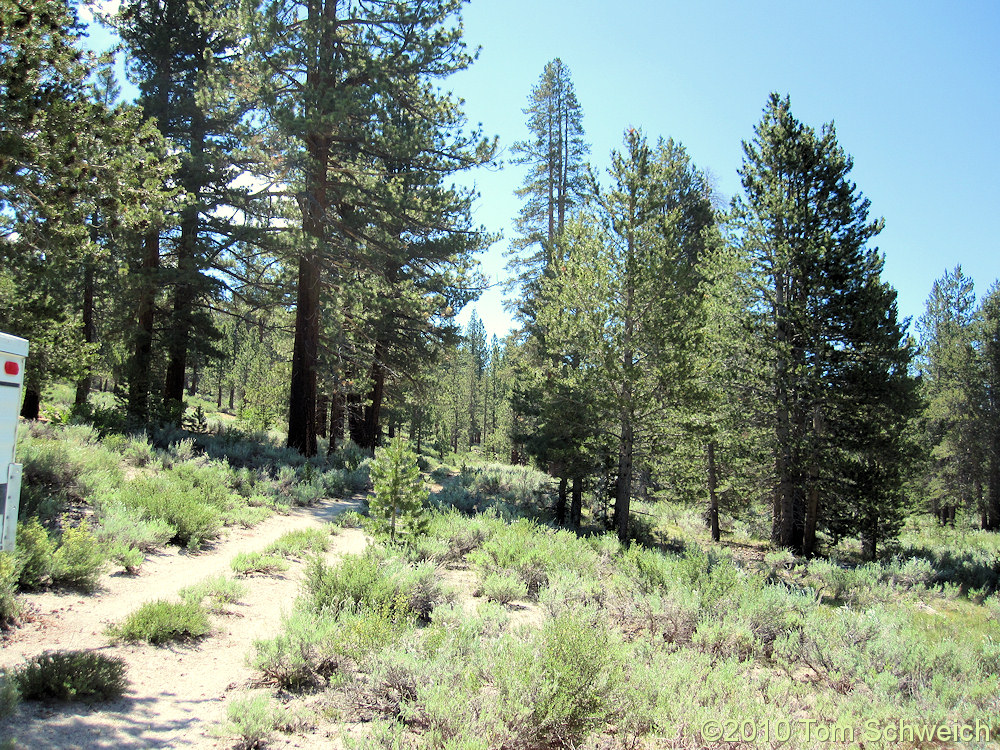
(10, 696)
(130, 558)
(132, 526)
(183, 508)
(503, 588)
(254, 719)
(72, 675)
(356, 580)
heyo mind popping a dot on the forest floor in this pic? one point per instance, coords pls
(178, 693)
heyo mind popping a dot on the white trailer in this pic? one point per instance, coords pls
(13, 352)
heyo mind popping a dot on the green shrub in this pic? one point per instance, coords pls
(727, 639)
(567, 590)
(253, 718)
(363, 633)
(349, 520)
(257, 563)
(306, 493)
(532, 552)
(300, 542)
(301, 655)
(219, 590)
(356, 580)
(160, 622)
(10, 608)
(349, 456)
(79, 559)
(10, 696)
(503, 588)
(34, 552)
(397, 504)
(364, 583)
(129, 558)
(71, 675)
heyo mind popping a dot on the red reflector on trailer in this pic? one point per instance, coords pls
(11, 368)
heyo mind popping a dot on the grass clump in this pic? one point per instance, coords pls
(300, 543)
(71, 675)
(257, 563)
(161, 622)
(219, 591)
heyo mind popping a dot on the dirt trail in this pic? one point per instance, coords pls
(178, 694)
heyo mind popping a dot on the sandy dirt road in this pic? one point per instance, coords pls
(178, 694)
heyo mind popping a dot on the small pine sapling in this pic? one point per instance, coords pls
(399, 493)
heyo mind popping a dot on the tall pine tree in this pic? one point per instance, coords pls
(837, 354)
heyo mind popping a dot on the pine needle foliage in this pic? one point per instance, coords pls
(397, 506)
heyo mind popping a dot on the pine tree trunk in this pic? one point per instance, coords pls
(336, 422)
(993, 486)
(314, 203)
(185, 284)
(561, 502)
(812, 507)
(83, 386)
(322, 404)
(355, 418)
(783, 506)
(302, 393)
(369, 435)
(713, 498)
(576, 504)
(31, 406)
(623, 484)
(142, 351)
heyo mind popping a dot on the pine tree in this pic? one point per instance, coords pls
(617, 321)
(397, 504)
(350, 90)
(988, 340)
(951, 388)
(74, 169)
(556, 184)
(837, 353)
(178, 52)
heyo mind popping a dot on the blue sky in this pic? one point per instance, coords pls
(913, 88)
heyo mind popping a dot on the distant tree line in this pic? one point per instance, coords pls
(273, 224)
